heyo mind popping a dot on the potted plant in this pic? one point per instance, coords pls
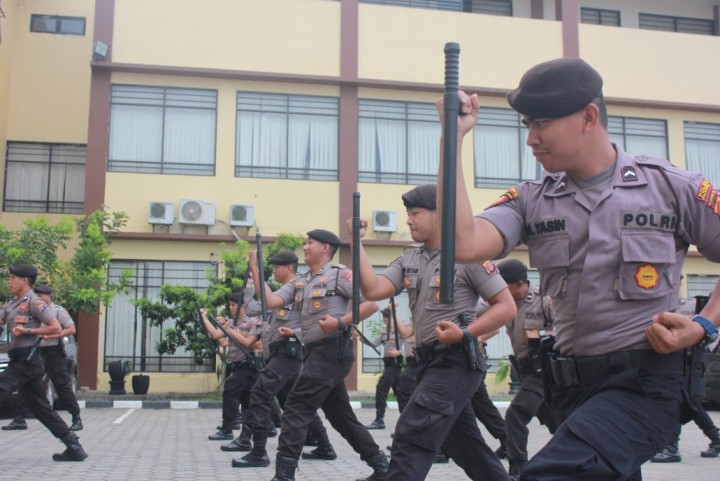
(118, 370)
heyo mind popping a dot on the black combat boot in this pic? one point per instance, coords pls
(670, 454)
(713, 449)
(324, 450)
(440, 458)
(16, 424)
(241, 443)
(77, 424)
(380, 465)
(379, 423)
(257, 458)
(285, 467)
(74, 451)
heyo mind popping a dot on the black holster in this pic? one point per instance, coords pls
(696, 361)
(471, 345)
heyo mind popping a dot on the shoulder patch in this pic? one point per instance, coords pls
(347, 275)
(707, 194)
(510, 194)
(489, 267)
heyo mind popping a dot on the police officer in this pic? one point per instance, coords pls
(392, 360)
(283, 356)
(236, 390)
(55, 363)
(608, 233)
(533, 322)
(439, 413)
(28, 318)
(322, 296)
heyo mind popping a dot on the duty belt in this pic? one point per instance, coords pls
(328, 342)
(49, 349)
(427, 351)
(392, 361)
(568, 371)
(19, 353)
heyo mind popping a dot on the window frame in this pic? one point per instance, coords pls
(167, 100)
(603, 15)
(59, 19)
(297, 106)
(636, 124)
(65, 207)
(704, 26)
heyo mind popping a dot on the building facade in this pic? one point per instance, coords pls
(200, 119)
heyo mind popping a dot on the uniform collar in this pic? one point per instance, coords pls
(627, 174)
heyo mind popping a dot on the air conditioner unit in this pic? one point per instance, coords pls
(384, 221)
(161, 212)
(242, 215)
(197, 212)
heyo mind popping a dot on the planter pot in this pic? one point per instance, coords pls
(140, 384)
(115, 369)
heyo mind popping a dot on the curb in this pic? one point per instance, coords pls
(211, 404)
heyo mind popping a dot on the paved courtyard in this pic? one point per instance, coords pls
(171, 444)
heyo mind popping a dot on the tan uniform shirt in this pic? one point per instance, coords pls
(29, 310)
(65, 321)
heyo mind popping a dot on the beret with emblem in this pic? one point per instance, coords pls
(43, 289)
(423, 196)
(512, 270)
(325, 236)
(283, 258)
(385, 312)
(556, 88)
(24, 270)
(236, 297)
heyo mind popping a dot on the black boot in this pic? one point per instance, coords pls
(380, 465)
(713, 449)
(514, 469)
(257, 458)
(241, 443)
(222, 435)
(16, 424)
(74, 451)
(324, 450)
(379, 423)
(285, 468)
(77, 424)
(310, 440)
(440, 458)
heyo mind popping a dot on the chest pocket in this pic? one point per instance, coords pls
(317, 301)
(551, 256)
(432, 302)
(410, 282)
(645, 265)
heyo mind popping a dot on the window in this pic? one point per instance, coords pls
(157, 130)
(57, 24)
(44, 178)
(398, 142)
(598, 16)
(701, 285)
(702, 150)
(287, 136)
(501, 156)
(129, 337)
(700, 26)
(639, 136)
(489, 7)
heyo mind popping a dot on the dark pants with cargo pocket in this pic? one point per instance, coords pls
(236, 392)
(27, 377)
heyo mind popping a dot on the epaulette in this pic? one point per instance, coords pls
(652, 161)
(413, 248)
(339, 266)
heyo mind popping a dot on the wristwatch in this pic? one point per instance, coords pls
(711, 332)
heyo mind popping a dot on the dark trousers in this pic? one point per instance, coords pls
(236, 392)
(609, 428)
(527, 403)
(388, 380)
(321, 384)
(277, 377)
(27, 377)
(406, 383)
(702, 420)
(438, 415)
(487, 413)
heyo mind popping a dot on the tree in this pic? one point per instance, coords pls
(81, 284)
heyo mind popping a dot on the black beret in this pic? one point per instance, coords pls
(283, 258)
(423, 196)
(236, 297)
(512, 270)
(24, 270)
(556, 88)
(43, 289)
(324, 236)
(385, 312)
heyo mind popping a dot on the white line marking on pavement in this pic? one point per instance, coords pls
(184, 404)
(124, 416)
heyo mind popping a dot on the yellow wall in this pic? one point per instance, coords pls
(406, 44)
(291, 36)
